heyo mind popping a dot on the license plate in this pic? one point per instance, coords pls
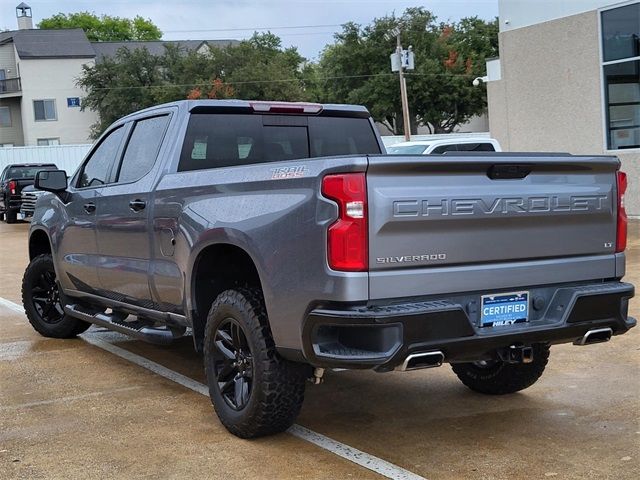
(504, 309)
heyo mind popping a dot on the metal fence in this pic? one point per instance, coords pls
(66, 157)
(69, 157)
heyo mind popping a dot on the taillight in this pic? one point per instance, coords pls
(621, 236)
(347, 237)
(12, 187)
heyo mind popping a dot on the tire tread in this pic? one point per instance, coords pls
(281, 393)
(68, 327)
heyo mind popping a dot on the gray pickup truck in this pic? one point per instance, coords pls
(285, 242)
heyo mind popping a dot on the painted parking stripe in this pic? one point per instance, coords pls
(11, 306)
(370, 462)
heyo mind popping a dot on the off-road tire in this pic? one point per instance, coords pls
(11, 217)
(66, 326)
(499, 378)
(277, 385)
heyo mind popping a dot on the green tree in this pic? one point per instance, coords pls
(356, 69)
(104, 28)
(255, 69)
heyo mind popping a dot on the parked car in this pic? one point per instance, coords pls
(29, 197)
(442, 145)
(287, 243)
(12, 180)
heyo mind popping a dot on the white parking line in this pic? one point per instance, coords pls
(370, 462)
(11, 306)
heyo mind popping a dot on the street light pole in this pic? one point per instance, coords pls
(403, 93)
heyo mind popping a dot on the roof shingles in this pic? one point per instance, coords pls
(73, 43)
(36, 43)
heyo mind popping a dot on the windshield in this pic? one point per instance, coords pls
(18, 173)
(406, 149)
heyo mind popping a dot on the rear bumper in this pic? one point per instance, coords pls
(382, 336)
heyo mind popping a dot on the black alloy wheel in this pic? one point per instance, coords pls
(46, 298)
(43, 301)
(254, 391)
(233, 364)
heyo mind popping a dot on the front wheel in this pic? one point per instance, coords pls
(253, 390)
(496, 377)
(42, 302)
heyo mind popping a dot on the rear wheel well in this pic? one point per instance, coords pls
(218, 268)
(38, 244)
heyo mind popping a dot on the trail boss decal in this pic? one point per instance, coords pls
(295, 171)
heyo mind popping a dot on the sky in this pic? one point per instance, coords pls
(307, 24)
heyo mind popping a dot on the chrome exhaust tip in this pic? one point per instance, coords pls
(597, 335)
(416, 361)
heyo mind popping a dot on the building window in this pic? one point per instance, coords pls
(45, 110)
(5, 117)
(45, 142)
(621, 75)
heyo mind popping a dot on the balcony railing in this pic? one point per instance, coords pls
(10, 85)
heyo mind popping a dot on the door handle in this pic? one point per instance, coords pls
(89, 207)
(137, 205)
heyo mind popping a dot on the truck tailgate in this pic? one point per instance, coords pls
(432, 212)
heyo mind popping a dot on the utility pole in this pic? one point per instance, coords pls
(403, 91)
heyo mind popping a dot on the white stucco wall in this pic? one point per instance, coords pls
(550, 94)
(44, 79)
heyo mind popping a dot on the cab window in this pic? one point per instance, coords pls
(444, 148)
(97, 170)
(142, 149)
(476, 147)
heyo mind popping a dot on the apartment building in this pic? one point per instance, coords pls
(39, 100)
(40, 103)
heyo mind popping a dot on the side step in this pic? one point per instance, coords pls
(115, 322)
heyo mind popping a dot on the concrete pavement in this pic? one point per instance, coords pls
(71, 410)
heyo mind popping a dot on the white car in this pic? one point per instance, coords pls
(439, 146)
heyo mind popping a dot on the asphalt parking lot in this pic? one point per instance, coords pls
(78, 409)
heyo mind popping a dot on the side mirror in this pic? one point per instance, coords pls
(51, 181)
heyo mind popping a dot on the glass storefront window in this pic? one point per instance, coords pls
(621, 75)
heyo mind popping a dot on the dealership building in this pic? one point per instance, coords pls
(568, 80)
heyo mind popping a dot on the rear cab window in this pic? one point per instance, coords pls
(27, 172)
(222, 140)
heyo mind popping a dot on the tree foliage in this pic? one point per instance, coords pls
(255, 69)
(104, 28)
(448, 56)
(354, 69)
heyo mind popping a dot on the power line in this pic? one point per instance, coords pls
(287, 27)
(282, 80)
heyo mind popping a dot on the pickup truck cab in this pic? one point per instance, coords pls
(12, 180)
(285, 243)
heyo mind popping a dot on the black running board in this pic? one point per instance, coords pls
(157, 336)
